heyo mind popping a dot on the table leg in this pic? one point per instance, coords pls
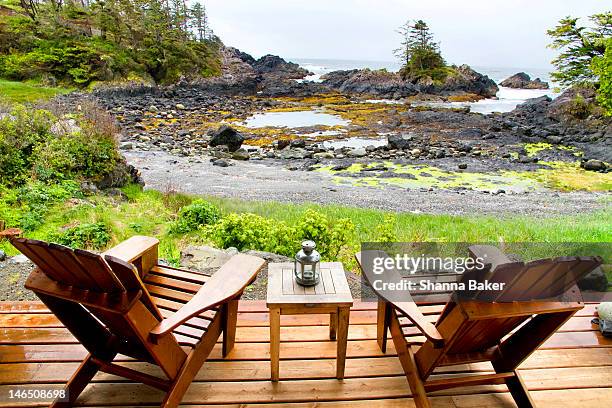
(333, 325)
(343, 325)
(274, 342)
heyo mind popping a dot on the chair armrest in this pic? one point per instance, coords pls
(226, 284)
(406, 305)
(138, 250)
(412, 312)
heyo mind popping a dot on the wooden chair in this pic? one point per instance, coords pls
(125, 303)
(10, 232)
(487, 326)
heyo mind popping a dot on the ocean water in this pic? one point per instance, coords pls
(507, 98)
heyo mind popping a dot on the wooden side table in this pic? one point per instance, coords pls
(330, 296)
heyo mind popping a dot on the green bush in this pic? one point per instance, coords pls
(21, 130)
(329, 236)
(85, 236)
(385, 231)
(195, 215)
(250, 231)
(579, 107)
(33, 144)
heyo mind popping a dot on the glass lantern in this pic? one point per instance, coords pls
(307, 269)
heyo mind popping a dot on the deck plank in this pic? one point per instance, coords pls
(573, 368)
(39, 373)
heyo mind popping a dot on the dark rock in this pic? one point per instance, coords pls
(360, 152)
(379, 167)
(281, 143)
(465, 146)
(243, 56)
(122, 175)
(593, 165)
(89, 188)
(379, 83)
(463, 166)
(115, 192)
(269, 256)
(400, 141)
(225, 135)
(275, 86)
(470, 133)
(298, 143)
(563, 107)
(465, 80)
(595, 280)
(523, 81)
(221, 163)
(554, 139)
(297, 153)
(2, 255)
(272, 64)
(241, 154)
(532, 105)
(341, 166)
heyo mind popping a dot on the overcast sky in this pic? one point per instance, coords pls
(497, 33)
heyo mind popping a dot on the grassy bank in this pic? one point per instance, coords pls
(21, 92)
(154, 213)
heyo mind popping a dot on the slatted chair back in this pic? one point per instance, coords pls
(475, 325)
(91, 295)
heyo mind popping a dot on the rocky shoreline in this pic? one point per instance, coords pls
(183, 119)
(207, 120)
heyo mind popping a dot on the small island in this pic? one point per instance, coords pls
(524, 81)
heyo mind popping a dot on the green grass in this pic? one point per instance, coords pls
(151, 213)
(21, 92)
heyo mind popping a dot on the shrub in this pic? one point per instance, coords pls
(34, 142)
(21, 130)
(85, 236)
(385, 231)
(195, 215)
(251, 231)
(75, 155)
(579, 107)
(330, 237)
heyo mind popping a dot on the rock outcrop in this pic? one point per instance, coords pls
(278, 67)
(226, 136)
(523, 81)
(464, 80)
(379, 83)
(385, 84)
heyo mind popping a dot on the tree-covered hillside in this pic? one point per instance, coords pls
(77, 42)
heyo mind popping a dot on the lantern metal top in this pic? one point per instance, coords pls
(307, 264)
(308, 247)
(308, 255)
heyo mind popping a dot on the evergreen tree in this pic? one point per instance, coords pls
(419, 53)
(81, 41)
(200, 21)
(579, 46)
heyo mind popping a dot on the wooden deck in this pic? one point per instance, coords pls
(572, 369)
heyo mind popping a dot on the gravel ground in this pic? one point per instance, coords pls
(263, 181)
(14, 276)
